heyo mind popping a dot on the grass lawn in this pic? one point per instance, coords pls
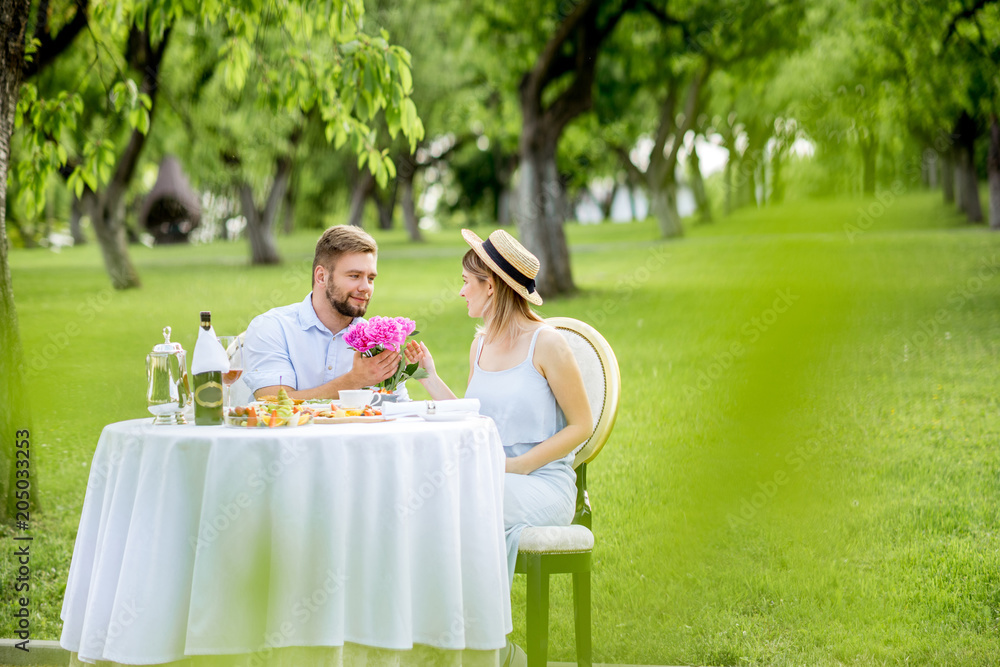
(805, 466)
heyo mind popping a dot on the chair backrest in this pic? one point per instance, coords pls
(601, 379)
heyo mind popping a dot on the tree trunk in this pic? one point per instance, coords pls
(385, 201)
(744, 185)
(504, 206)
(663, 206)
(948, 178)
(539, 215)
(570, 53)
(609, 201)
(14, 417)
(698, 186)
(362, 190)
(777, 185)
(107, 209)
(869, 151)
(993, 169)
(661, 176)
(505, 166)
(966, 179)
(405, 173)
(288, 204)
(958, 180)
(931, 160)
(110, 232)
(263, 246)
(540, 221)
(260, 222)
(967, 185)
(727, 183)
(746, 182)
(76, 220)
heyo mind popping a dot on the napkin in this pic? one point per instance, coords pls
(408, 408)
(209, 355)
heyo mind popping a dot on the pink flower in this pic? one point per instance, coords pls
(379, 333)
(408, 326)
(358, 338)
(386, 332)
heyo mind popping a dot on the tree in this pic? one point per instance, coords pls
(302, 60)
(548, 105)
(14, 18)
(329, 65)
(692, 45)
(976, 32)
(554, 57)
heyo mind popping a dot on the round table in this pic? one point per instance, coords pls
(201, 540)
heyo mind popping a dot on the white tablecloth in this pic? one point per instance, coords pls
(214, 540)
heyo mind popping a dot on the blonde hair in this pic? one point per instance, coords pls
(505, 310)
(341, 240)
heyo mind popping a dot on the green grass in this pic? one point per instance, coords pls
(816, 486)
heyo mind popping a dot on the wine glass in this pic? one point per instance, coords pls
(234, 349)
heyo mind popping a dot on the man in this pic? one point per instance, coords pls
(301, 347)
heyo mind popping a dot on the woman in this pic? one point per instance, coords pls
(526, 379)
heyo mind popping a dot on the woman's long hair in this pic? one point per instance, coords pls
(505, 311)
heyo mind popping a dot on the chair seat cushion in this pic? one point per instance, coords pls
(556, 539)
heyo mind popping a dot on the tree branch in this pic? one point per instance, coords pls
(282, 173)
(666, 125)
(602, 33)
(42, 20)
(661, 15)
(150, 83)
(626, 160)
(578, 97)
(50, 46)
(690, 109)
(534, 81)
(962, 15)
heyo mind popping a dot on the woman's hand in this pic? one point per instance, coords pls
(515, 464)
(418, 353)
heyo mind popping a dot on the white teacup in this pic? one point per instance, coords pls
(355, 399)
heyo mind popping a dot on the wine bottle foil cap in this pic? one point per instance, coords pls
(206, 314)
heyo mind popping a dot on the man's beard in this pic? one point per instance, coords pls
(342, 304)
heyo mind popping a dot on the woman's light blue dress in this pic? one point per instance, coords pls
(521, 403)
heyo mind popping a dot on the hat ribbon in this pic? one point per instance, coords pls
(508, 268)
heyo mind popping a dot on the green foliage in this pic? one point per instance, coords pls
(321, 61)
(882, 527)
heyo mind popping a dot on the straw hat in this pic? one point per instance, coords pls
(509, 260)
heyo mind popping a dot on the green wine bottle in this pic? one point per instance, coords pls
(208, 379)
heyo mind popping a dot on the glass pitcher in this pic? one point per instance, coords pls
(168, 392)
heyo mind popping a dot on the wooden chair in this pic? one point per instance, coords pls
(545, 550)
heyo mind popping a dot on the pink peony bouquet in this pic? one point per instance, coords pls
(385, 333)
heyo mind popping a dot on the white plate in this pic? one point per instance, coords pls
(450, 416)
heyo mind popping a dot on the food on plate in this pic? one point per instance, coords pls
(282, 411)
(271, 398)
(340, 413)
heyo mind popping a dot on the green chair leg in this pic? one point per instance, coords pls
(581, 612)
(537, 613)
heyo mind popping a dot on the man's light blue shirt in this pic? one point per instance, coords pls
(290, 346)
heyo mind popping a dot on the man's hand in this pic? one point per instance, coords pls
(368, 371)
